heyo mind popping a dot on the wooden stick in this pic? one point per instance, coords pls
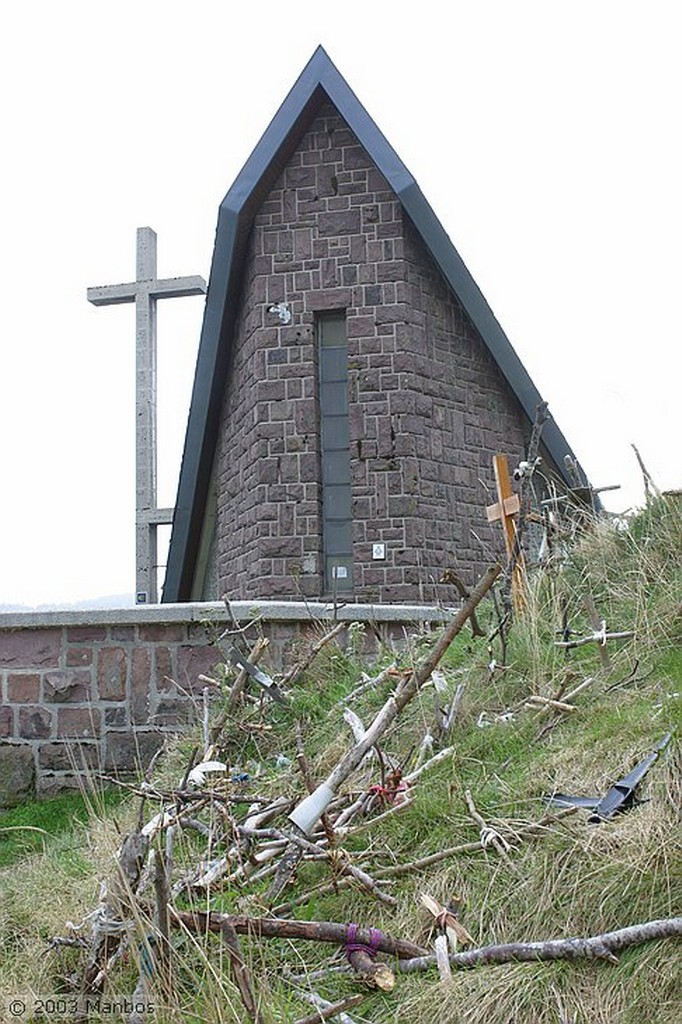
(284, 871)
(200, 922)
(489, 836)
(205, 716)
(116, 907)
(296, 670)
(650, 487)
(445, 726)
(450, 576)
(369, 684)
(373, 972)
(317, 1001)
(596, 638)
(596, 947)
(300, 845)
(452, 851)
(436, 759)
(163, 948)
(308, 811)
(332, 1010)
(542, 415)
(442, 961)
(578, 689)
(240, 972)
(547, 702)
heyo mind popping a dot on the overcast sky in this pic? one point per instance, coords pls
(545, 135)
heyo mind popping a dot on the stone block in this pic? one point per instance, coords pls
(65, 756)
(355, 157)
(85, 634)
(174, 712)
(281, 410)
(196, 661)
(140, 685)
(163, 669)
(341, 222)
(116, 717)
(280, 547)
(52, 784)
(31, 648)
(270, 391)
(122, 634)
(17, 774)
(162, 632)
(35, 723)
(23, 689)
(66, 686)
(112, 669)
(6, 723)
(131, 751)
(402, 506)
(78, 722)
(78, 657)
(328, 298)
(360, 327)
(297, 177)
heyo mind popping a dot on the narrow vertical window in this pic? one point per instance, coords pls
(335, 452)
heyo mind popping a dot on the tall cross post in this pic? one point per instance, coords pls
(144, 292)
(505, 510)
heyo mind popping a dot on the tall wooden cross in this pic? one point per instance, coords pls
(144, 292)
(505, 511)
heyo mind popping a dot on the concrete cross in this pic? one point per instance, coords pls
(505, 510)
(144, 292)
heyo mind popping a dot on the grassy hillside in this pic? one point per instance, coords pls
(572, 878)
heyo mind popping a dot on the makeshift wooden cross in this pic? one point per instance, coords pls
(600, 636)
(144, 292)
(505, 510)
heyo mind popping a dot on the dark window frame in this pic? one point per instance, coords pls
(335, 475)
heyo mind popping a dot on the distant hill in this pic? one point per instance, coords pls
(108, 601)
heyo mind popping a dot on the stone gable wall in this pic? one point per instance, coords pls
(427, 406)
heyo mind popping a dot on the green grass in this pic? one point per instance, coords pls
(34, 825)
(575, 879)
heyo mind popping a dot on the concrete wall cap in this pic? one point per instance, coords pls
(215, 611)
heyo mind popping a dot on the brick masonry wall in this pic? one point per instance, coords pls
(102, 689)
(428, 407)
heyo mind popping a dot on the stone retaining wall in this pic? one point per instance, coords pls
(100, 689)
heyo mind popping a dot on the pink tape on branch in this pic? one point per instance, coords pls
(375, 937)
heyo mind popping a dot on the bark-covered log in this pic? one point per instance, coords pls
(602, 947)
(273, 928)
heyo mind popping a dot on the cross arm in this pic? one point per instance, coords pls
(112, 294)
(177, 287)
(157, 516)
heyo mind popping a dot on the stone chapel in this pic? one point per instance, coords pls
(352, 384)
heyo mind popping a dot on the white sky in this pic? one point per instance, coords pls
(545, 135)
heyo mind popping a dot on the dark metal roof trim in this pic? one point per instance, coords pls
(318, 82)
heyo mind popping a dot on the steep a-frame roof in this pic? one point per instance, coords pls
(318, 83)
